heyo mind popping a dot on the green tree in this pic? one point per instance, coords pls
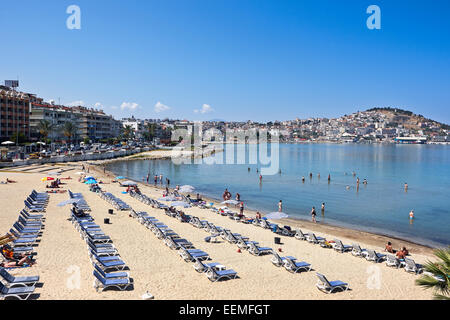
(45, 128)
(69, 130)
(437, 278)
(149, 133)
(22, 137)
(128, 132)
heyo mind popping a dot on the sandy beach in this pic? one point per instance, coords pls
(66, 272)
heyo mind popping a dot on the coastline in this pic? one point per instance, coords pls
(369, 238)
(159, 270)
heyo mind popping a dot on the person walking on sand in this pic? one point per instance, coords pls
(241, 208)
(280, 206)
(313, 214)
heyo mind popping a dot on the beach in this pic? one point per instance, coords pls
(66, 272)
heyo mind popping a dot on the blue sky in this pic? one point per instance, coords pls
(234, 60)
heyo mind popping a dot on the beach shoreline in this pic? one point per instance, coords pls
(62, 255)
(370, 238)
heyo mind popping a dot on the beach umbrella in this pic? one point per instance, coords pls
(41, 143)
(187, 188)
(54, 174)
(7, 143)
(168, 198)
(276, 215)
(180, 204)
(91, 181)
(47, 179)
(89, 177)
(129, 183)
(79, 173)
(230, 202)
(120, 178)
(70, 201)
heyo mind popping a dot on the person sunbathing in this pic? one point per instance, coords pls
(27, 260)
(388, 247)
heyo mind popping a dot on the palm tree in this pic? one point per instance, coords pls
(69, 129)
(128, 132)
(438, 277)
(149, 133)
(45, 127)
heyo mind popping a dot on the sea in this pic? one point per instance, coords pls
(381, 206)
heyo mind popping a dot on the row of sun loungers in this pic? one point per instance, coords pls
(289, 263)
(187, 251)
(117, 203)
(368, 254)
(81, 204)
(147, 200)
(108, 265)
(25, 230)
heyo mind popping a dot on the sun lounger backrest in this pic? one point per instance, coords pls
(410, 263)
(324, 280)
(6, 275)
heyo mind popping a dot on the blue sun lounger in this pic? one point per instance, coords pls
(215, 275)
(103, 283)
(329, 286)
(17, 281)
(22, 293)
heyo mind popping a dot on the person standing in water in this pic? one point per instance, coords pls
(280, 206)
(260, 178)
(303, 179)
(310, 175)
(406, 187)
(318, 175)
(411, 215)
(313, 214)
(323, 208)
(329, 177)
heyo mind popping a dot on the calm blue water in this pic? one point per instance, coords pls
(382, 206)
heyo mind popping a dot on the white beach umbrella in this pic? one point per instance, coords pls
(80, 173)
(230, 202)
(180, 204)
(276, 215)
(7, 143)
(41, 143)
(187, 188)
(129, 183)
(70, 201)
(54, 174)
(168, 198)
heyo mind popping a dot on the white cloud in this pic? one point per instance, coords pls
(159, 107)
(206, 108)
(129, 105)
(79, 103)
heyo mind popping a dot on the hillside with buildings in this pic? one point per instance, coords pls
(28, 117)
